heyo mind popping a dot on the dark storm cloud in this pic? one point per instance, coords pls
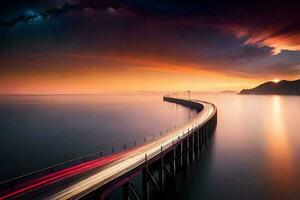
(257, 20)
(270, 23)
(219, 35)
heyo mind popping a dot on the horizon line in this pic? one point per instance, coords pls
(107, 92)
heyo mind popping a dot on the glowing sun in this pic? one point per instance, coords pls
(275, 80)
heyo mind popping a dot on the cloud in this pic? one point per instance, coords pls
(232, 37)
(274, 24)
(262, 23)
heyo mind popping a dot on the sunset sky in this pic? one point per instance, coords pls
(89, 46)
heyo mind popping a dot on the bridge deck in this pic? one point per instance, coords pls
(76, 181)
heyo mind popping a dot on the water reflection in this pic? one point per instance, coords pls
(255, 153)
(279, 158)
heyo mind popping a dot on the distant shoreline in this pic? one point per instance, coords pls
(284, 87)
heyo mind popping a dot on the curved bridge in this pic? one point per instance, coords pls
(97, 178)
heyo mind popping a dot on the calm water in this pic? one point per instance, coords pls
(39, 131)
(255, 153)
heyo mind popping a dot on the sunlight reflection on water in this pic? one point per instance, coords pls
(278, 148)
(255, 151)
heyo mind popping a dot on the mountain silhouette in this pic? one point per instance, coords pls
(283, 87)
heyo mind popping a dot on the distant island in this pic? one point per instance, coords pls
(228, 92)
(282, 87)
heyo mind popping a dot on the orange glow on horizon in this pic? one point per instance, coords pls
(86, 74)
(131, 79)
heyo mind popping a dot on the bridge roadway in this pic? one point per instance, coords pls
(89, 176)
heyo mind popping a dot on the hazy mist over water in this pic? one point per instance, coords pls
(254, 153)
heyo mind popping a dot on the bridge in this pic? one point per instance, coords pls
(157, 162)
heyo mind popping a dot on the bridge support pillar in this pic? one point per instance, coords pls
(174, 161)
(208, 132)
(197, 142)
(188, 147)
(181, 154)
(161, 171)
(185, 153)
(193, 146)
(202, 138)
(206, 135)
(129, 191)
(126, 191)
(146, 189)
